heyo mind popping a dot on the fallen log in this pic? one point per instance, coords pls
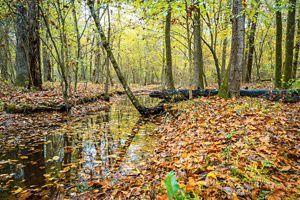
(15, 108)
(274, 95)
(27, 108)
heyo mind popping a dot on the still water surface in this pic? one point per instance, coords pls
(66, 160)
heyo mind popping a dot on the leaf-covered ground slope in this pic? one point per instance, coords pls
(219, 149)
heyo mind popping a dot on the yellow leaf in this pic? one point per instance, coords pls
(212, 175)
(201, 183)
(235, 196)
(67, 169)
(55, 158)
(24, 157)
(17, 191)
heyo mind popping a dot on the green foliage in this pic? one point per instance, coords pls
(172, 186)
(174, 191)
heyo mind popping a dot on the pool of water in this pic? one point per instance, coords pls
(70, 159)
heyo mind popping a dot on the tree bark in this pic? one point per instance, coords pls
(168, 69)
(46, 54)
(4, 50)
(34, 45)
(297, 48)
(198, 57)
(21, 66)
(289, 45)
(224, 55)
(237, 50)
(251, 45)
(79, 49)
(278, 65)
(47, 63)
(189, 42)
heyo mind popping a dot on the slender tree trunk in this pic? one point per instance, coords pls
(34, 44)
(47, 63)
(237, 51)
(46, 55)
(106, 86)
(4, 51)
(189, 42)
(278, 65)
(97, 61)
(251, 46)
(21, 46)
(163, 67)
(224, 55)
(79, 49)
(297, 47)
(142, 110)
(169, 72)
(198, 58)
(289, 45)
(91, 60)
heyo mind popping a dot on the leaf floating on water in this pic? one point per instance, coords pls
(25, 195)
(17, 191)
(55, 158)
(66, 169)
(23, 157)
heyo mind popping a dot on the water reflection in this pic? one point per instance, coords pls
(109, 144)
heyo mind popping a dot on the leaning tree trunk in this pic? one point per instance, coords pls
(142, 110)
(34, 45)
(21, 66)
(237, 50)
(278, 66)
(289, 45)
(251, 45)
(169, 82)
(198, 58)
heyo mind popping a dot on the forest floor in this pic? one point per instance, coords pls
(247, 148)
(226, 149)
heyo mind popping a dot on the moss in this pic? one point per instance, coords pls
(1, 106)
(224, 89)
(10, 108)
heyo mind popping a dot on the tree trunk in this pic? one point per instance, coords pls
(142, 110)
(198, 58)
(163, 68)
(189, 42)
(79, 49)
(289, 45)
(224, 55)
(251, 45)
(106, 86)
(278, 67)
(168, 70)
(297, 47)
(237, 50)
(34, 45)
(46, 54)
(21, 46)
(4, 50)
